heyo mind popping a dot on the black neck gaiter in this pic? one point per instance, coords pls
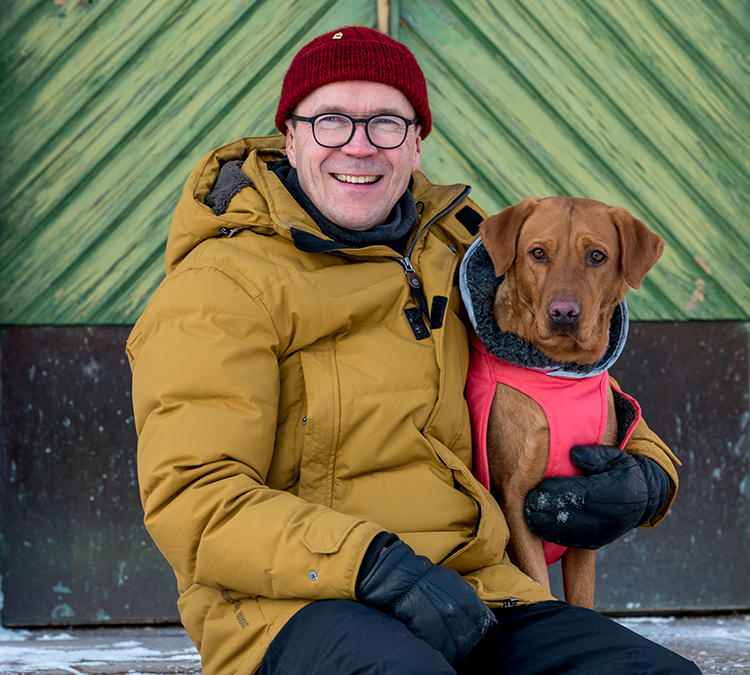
(394, 233)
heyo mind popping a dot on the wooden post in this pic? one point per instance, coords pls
(388, 15)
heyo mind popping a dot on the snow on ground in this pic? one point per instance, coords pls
(6, 634)
(720, 645)
(83, 651)
(164, 649)
(30, 658)
(37, 651)
(732, 630)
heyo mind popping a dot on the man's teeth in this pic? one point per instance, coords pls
(346, 178)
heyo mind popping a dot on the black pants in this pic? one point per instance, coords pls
(342, 637)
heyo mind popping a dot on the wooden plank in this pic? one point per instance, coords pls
(12, 18)
(722, 58)
(43, 48)
(679, 178)
(563, 111)
(112, 191)
(636, 103)
(499, 139)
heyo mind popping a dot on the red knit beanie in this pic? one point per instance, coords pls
(354, 53)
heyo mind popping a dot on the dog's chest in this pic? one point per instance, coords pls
(572, 411)
(516, 426)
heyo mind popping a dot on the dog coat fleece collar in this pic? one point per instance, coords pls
(479, 284)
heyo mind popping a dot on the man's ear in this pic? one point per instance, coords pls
(640, 248)
(500, 233)
(290, 148)
(417, 149)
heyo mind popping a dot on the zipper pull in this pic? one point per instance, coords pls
(415, 286)
(411, 276)
(229, 232)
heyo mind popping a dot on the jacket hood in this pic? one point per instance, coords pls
(268, 208)
(195, 221)
(478, 288)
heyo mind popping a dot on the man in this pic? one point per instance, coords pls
(304, 445)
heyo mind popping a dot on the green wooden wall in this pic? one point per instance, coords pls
(107, 105)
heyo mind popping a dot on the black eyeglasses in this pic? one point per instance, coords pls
(333, 130)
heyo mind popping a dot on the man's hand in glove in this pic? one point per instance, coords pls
(617, 492)
(434, 602)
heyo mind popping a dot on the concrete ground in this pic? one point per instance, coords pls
(718, 644)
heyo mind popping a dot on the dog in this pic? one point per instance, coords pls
(566, 265)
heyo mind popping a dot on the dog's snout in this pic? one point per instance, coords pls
(564, 311)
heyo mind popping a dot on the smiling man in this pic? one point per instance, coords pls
(304, 449)
(355, 171)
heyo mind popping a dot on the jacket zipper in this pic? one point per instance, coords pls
(412, 278)
(229, 232)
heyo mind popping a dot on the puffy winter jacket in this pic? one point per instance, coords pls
(292, 401)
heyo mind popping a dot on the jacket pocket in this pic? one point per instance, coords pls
(321, 424)
(327, 532)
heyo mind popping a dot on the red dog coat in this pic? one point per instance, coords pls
(576, 410)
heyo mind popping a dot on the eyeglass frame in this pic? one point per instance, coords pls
(355, 121)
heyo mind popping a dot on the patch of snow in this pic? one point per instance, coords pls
(656, 628)
(647, 619)
(31, 659)
(8, 635)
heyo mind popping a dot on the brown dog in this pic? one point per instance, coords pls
(567, 264)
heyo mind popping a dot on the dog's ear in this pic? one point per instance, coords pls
(500, 233)
(640, 248)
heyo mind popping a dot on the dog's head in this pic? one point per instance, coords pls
(567, 264)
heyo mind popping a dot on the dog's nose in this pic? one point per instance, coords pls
(564, 311)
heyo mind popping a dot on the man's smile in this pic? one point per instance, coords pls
(349, 178)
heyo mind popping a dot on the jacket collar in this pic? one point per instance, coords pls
(268, 208)
(479, 285)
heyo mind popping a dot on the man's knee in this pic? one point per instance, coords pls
(343, 636)
(555, 637)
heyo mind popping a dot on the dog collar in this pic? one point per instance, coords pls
(478, 285)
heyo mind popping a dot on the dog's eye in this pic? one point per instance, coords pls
(538, 253)
(597, 257)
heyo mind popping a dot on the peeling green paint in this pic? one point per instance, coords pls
(107, 106)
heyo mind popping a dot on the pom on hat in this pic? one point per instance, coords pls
(354, 53)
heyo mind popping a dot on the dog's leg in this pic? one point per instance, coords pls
(579, 565)
(578, 570)
(517, 449)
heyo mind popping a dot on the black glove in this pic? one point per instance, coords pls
(434, 602)
(617, 492)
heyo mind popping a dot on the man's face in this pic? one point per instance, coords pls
(325, 173)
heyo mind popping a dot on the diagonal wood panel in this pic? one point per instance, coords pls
(612, 100)
(102, 142)
(108, 105)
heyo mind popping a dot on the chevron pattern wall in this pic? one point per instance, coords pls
(107, 106)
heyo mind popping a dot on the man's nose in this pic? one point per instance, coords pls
(359, 145)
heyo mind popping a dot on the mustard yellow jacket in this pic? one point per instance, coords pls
(287, 411)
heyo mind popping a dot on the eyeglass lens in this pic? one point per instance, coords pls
(383, 131)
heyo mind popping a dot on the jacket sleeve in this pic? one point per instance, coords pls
(205, 393)
(645, 442)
